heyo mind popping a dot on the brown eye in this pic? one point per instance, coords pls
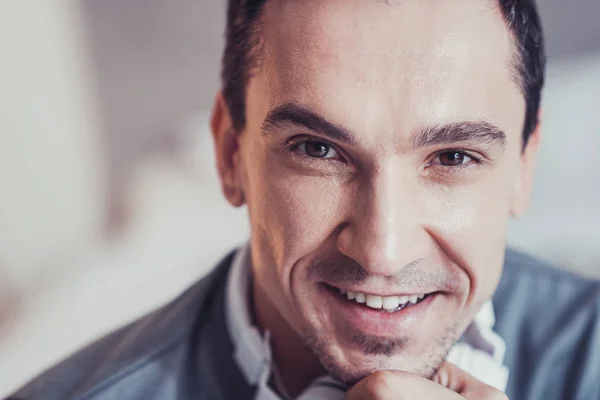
(452, 159)
(317, 150)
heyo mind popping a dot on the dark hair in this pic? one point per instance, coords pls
(243, 42)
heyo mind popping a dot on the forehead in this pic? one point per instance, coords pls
(390, 67)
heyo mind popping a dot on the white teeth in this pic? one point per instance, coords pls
(374, 301)
(390, 303)
(360, 298)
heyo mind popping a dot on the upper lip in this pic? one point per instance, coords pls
(386, 293)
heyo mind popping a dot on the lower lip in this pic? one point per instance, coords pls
(378, 322)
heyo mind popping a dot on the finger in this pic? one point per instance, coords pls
(461, 382)
(398, 385)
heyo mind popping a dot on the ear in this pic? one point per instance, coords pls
(524, 184)
(226, 143)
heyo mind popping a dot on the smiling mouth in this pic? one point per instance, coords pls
(389, 304)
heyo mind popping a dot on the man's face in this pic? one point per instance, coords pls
(380, 161)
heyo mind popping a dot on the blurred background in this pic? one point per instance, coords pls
(109, 202)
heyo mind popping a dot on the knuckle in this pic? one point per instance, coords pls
(382, 378)
(380, 385)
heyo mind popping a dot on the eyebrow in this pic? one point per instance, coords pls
(290, 114)
(476, 132)
(294, 115)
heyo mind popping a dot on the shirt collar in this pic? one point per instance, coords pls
(251, 349)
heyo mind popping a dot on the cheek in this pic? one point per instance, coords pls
(471, 223)
(292, 215)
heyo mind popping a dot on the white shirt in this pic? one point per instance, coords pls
(480, 351)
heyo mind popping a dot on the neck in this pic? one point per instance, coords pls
(296, 365)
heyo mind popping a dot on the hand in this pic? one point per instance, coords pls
(450, 383)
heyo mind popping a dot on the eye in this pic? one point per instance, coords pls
(452, 158)
(317, 149)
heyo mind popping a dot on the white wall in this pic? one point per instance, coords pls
(563, 224)
(51, 162)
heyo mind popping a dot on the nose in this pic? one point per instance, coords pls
(385, 231)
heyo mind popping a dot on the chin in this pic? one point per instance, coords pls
(350, 365)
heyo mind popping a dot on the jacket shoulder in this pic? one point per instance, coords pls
(144, 356)
(550, 320)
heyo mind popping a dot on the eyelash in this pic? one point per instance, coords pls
(294, 143)
(474, 158)
(443, 174)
